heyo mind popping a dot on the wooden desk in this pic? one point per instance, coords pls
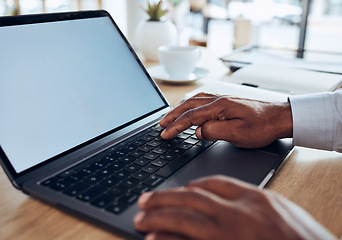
(310, 178)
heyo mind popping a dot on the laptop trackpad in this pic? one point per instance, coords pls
(245, 164)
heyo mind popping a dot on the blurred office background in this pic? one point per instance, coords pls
(221, 25)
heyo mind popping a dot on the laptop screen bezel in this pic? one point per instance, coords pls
(18, 178)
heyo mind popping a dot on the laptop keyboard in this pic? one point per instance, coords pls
(115, 179)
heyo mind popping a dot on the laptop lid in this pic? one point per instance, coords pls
(70, 84)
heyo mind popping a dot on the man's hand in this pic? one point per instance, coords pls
(243, 122)
(223, 208)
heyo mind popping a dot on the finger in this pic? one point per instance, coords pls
(195, 116)
(196, 101)
(176, 220)
(164, 236)
(226, 187)
(199, 133)
(220, 130)
(191, 103)
(191, 198)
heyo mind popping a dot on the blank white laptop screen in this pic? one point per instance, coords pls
(64, 83)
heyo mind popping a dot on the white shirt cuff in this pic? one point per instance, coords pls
(312, 120)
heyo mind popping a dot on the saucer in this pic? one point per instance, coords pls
(158, 73)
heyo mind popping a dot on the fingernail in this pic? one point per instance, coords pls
(199, 133)
(139, 217)
(143, 199)
(163, 132)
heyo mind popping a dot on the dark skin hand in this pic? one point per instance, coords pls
(242, 122)
(223, 208)
(220, 207)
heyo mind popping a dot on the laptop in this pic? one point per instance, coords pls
(79, 122)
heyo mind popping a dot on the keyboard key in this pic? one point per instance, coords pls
(121, 174)
(159, 128)
(194, 137)
(159, 139)
(140, 175)
(66, 173)
(129, 198)
(116, 207)
(176, 140)
(49, 182)
(98, 165)
(132, 168)
(91, 193)
(110, 159)
(183, 135)
(130, 147)
(145, 148)
(185, 145)
(60, 185)
(142, 161)
(136, 153)
(153, 181)
(138, 142)
(168, 156)
(117, 191)
(74, 178)
(191, 141)
(76, 189)
(110, 182)
(160, 150)
(116, 166)
(154, 143)
(129, 183)
(140, 189)
(150, 168)
(87, 171)
(159, 162)
(176, 151)
(154, 133)
(112, 149)
(120, 152)
(102, 201)
(168, 145)
(151, 155)
(93, 179)
(105, 172)
(127, 159)
(189, 131)
(204, 143)
(193, 127)
(146, 138)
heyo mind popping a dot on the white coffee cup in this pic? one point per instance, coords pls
(179, 61)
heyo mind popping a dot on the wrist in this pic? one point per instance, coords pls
(281, 120)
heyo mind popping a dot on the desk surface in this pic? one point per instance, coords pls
(310, 178)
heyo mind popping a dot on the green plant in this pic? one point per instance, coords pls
(155, 11)
(175, 3)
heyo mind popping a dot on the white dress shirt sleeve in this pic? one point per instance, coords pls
(317, 120)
